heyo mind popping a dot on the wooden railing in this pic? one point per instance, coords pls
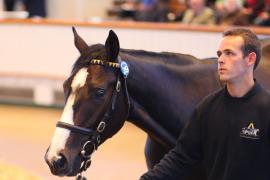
(131, 24)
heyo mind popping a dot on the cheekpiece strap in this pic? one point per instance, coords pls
(104, 63)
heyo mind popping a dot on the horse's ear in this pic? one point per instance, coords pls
(112, 46)
(78, 41)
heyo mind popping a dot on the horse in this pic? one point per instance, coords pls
(157, 92)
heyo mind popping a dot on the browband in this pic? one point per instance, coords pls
(105, 63)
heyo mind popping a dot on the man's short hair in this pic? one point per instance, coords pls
(251, 42)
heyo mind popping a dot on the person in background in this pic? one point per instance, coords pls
(229, 131)
(9, 5)
(35, 8)
(263, 17)
(153, 11)
(230, 12)
(198, 13)
(253, 8)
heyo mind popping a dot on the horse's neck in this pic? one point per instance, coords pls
(146, 76)
(155, 77)
(162, 88)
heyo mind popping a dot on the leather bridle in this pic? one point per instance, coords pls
(93, 141)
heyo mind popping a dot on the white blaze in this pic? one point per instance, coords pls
(61, 135)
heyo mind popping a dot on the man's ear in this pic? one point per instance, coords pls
(251, 58)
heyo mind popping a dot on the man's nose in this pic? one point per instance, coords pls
(221, 59)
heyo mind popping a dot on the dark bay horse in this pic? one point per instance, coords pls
(155, 91)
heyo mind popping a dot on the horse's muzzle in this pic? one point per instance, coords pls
(60, 167)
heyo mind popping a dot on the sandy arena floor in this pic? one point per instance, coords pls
(25, 133)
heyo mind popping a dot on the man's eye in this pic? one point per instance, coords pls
(228, 53)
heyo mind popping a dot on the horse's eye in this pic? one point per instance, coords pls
(100, 92)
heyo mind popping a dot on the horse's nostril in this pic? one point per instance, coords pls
(60, 163)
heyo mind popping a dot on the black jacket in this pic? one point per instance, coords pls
(230, 135)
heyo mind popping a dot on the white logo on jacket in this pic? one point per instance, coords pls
(250, 132)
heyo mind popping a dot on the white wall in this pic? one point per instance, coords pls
(78, 9)
(97, 8)
(49, 49)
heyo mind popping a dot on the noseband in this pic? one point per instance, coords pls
(94, 134)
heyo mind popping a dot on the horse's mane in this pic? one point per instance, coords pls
(162, 57)
(97, 51)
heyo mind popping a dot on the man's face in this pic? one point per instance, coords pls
(232, 66)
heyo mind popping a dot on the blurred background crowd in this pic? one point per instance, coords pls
(220, 12)
(204, 12)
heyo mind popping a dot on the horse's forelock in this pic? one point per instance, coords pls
(96, 51)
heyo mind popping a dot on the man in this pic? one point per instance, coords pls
(229, 130)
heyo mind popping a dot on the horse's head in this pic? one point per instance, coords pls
(96, 105)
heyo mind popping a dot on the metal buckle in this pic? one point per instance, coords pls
(83, 152)
(87, 164)
(80, 177)
(101, 126)
(118, 86)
